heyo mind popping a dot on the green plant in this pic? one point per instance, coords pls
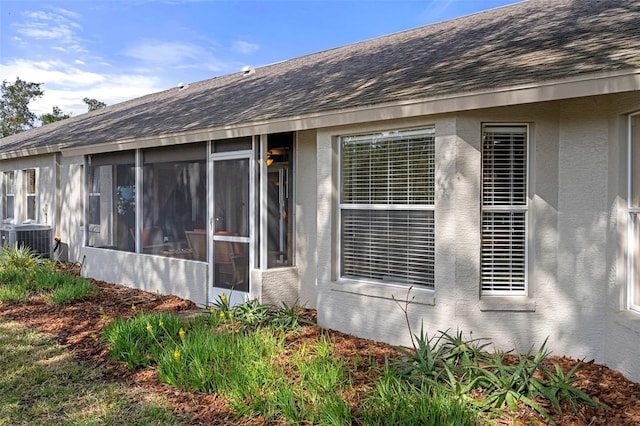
(71, 289)
(395, 401)
(423, 362)
(45, 278)
(251, 313)
(11, 275)
(20, 257)
(561, 388)
(140, 340)
(13, 293)
(289, 317)
(463, 367)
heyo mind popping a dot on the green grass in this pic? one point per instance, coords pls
(40, 385)
(23, 274)
(258, 372)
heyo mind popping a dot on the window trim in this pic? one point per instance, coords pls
(632, 212)
(33, 195)
(92, 194)
(7, 195)
(524, 208)
(369, 282)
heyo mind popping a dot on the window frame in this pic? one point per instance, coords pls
(507, 208)
(390, 206)
(9, 194)
(31, 197)
(94, 194)
(633, 217)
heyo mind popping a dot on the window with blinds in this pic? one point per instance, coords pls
(504, 210)
(387, 207)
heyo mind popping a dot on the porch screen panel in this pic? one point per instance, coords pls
(504, 210)
(387, 217)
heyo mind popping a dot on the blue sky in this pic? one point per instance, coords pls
(113, 50)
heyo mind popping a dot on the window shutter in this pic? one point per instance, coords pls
(504, 209)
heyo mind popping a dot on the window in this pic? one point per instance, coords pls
(387, 207)
(9, 194)
(504, 210)
(634, 212)
(30, 175)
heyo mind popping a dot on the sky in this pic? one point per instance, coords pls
(114, 50)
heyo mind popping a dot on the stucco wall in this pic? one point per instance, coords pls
(571, 258)
(69, 209)
(183, 278)
(305, 217)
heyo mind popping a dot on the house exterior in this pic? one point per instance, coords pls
(485, 169)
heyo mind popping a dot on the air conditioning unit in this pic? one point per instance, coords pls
(36, 237)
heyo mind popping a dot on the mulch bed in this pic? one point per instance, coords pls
(79, 326)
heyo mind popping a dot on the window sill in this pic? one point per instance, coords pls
(505, 303)
(421, 296)
(628, 319)
(94, 228)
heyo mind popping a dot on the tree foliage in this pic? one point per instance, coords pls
(54, 116)
(93, 104)
(15, 115)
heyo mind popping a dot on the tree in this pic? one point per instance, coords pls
(54, 116)
(15, 115)
(93, 104)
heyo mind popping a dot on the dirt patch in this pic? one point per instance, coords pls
(79, 328)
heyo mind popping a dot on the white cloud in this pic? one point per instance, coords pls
(178, 55)
(59, 26)
(245, 47)
(65, 85)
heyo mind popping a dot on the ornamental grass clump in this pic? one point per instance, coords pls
(140, 340)
(72, 289)
(23, 274)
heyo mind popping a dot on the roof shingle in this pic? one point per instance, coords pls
(527, 42)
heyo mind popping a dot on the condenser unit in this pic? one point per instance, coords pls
(36, 237)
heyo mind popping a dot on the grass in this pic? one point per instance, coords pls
(23, 274)
(40, 384)
(261, 374)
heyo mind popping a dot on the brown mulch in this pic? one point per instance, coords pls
(78, 327)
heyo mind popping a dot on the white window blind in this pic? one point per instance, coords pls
(386, 207)
(504, 210)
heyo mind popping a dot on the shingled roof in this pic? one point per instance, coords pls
(529, 42)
